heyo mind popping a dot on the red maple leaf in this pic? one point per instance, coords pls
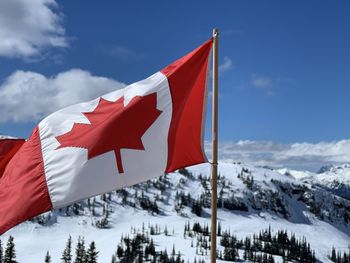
(113, 127)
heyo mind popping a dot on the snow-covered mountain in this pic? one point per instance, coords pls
(2, 137)
(335, 178)
(251, 199)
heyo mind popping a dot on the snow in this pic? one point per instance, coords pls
(33, 240)
(3, 137)
(335, 178)
(337, 173)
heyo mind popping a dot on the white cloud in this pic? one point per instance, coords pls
(296, 155)
(265, 84)
(226, 65)
(29, 96)
(29, 26)
(262, 82)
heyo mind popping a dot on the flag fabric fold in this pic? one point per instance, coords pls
(125, 137)
(8, 148)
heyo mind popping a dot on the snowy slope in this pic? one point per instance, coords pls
(252, 199)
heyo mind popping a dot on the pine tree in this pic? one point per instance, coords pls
(151, 248)
(333, 256)
(219, 229)
(67, 253)
(10, 252)
(114, 260)
(91, 254)
(178, 258)
(120, 251)
(173, 253)
(47, 257)
(80, 251)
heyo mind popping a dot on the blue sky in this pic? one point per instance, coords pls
(285, 65)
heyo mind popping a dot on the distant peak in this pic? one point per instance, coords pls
(333, 168)
(3, 137)
(325, 168)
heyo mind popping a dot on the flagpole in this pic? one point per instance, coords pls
(214, 163)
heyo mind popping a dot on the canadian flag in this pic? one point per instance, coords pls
(149, 128)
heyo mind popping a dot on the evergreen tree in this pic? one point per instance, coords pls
(80, 251)
(196, 207)
(230, 254)
(114, 260)
(47, 257)
(219, 229)
(120, 251)
(178, 258)
(152, 249)
(67, 253)
(334, 255)
(10, 252)
(91, 254)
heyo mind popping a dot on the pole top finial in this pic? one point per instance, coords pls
(215, 32)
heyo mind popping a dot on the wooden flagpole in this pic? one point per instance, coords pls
(214, 164)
